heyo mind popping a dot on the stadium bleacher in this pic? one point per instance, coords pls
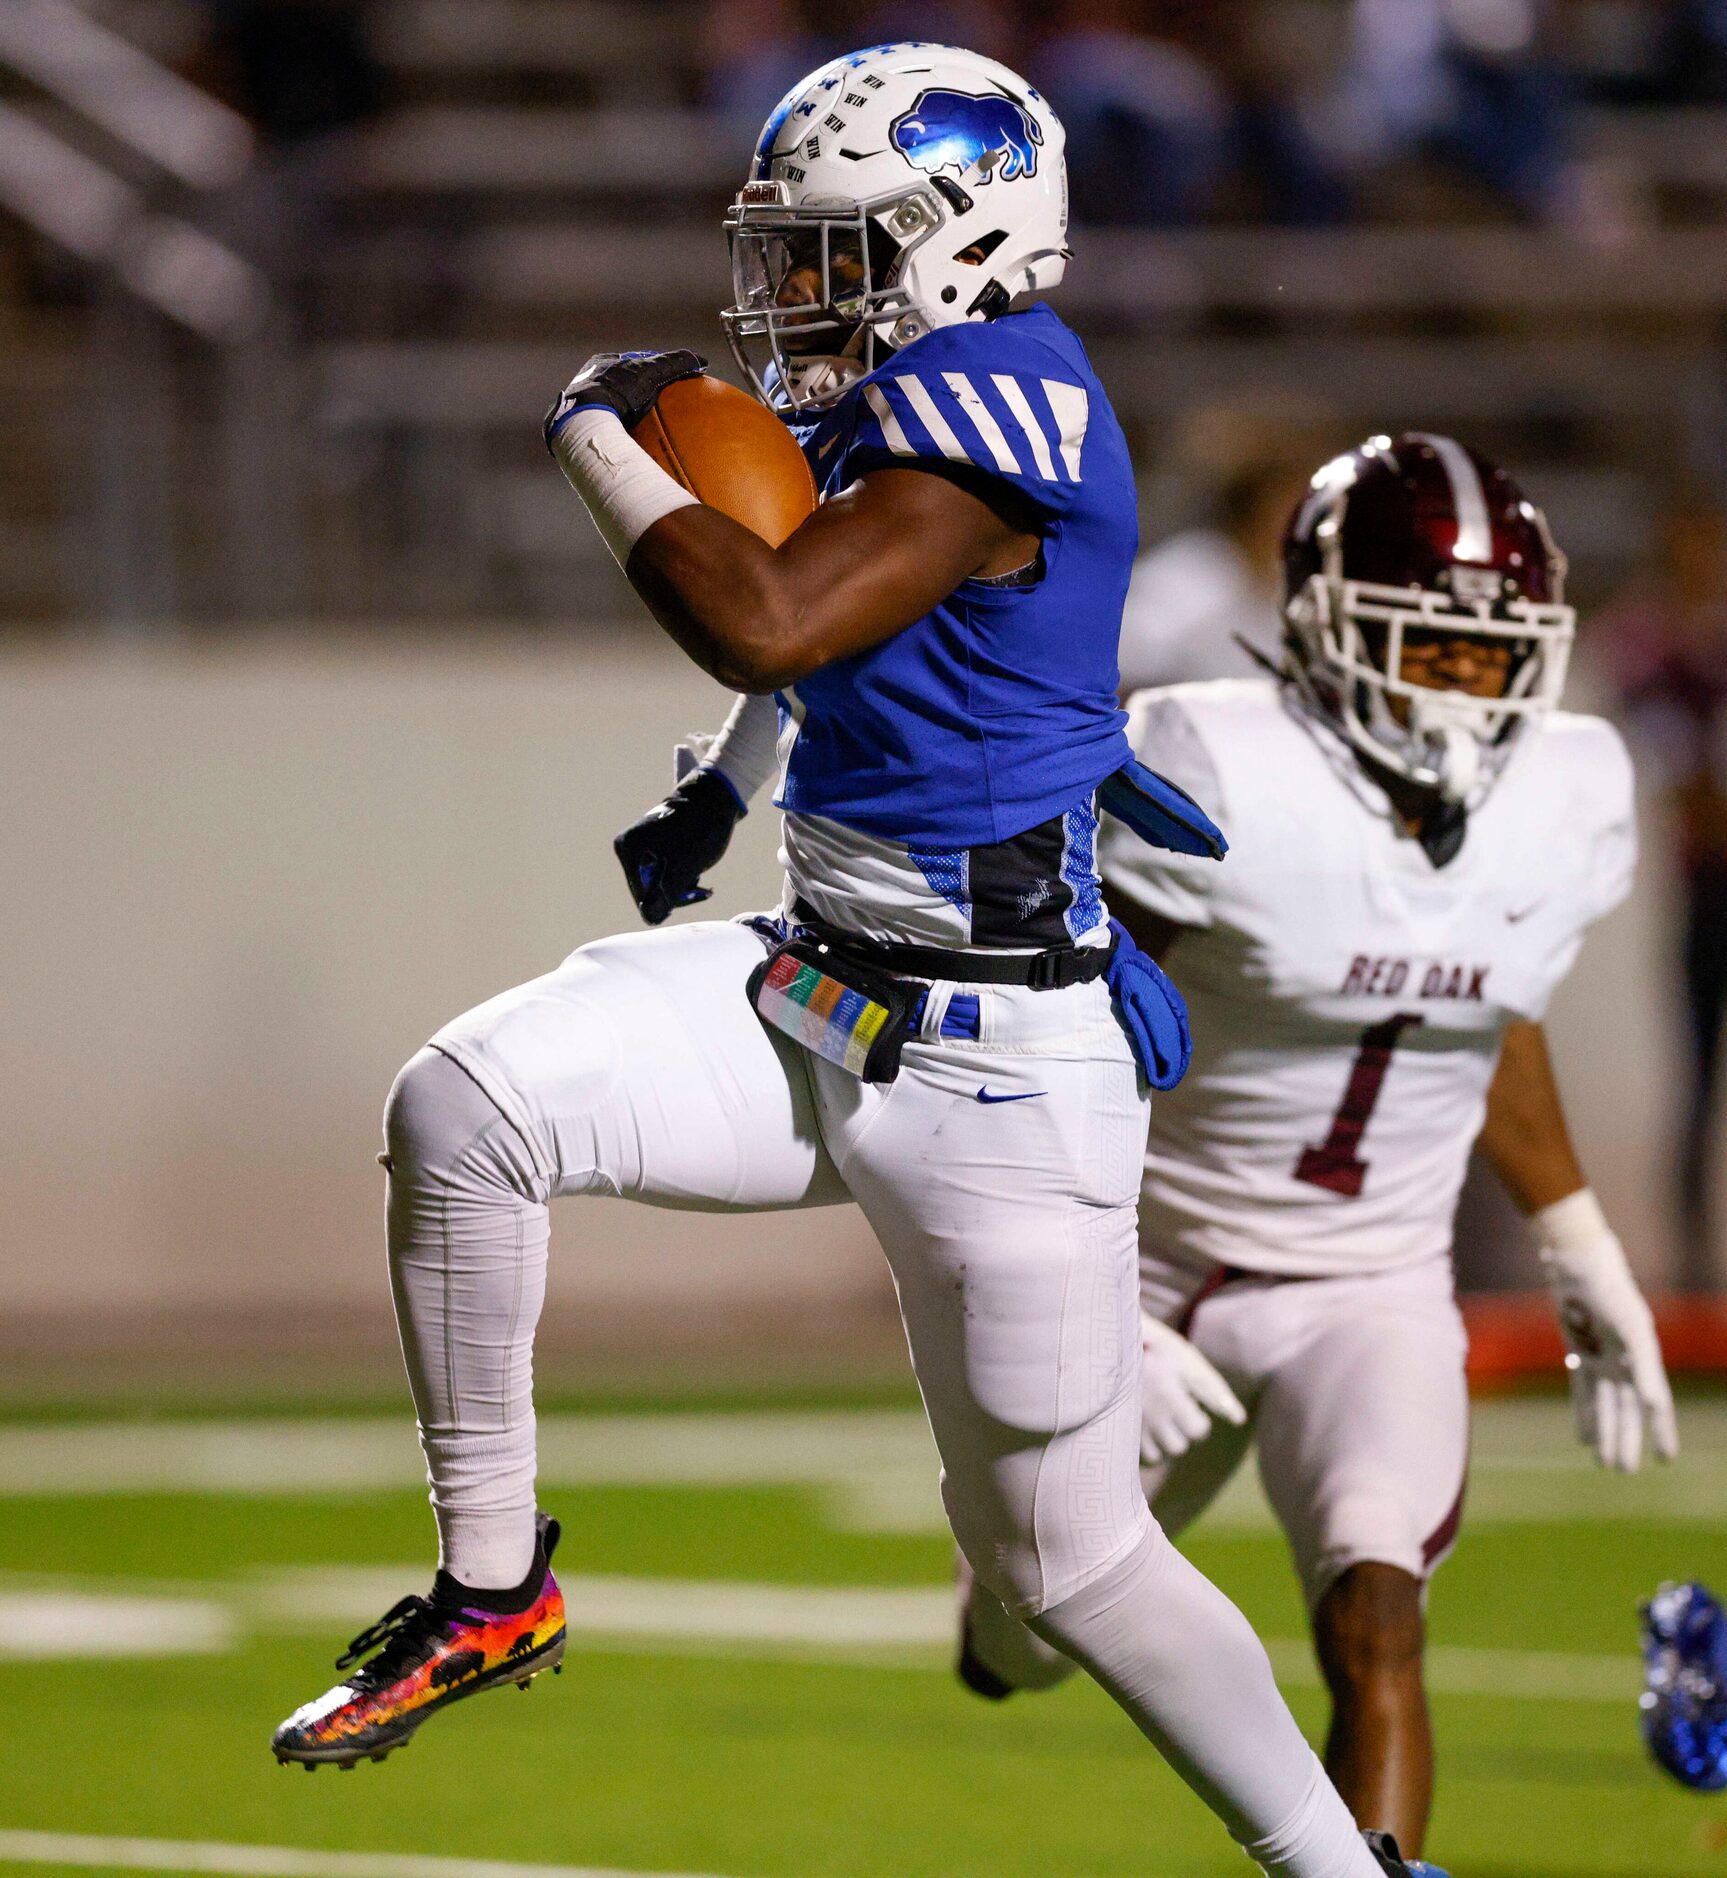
(541, 182)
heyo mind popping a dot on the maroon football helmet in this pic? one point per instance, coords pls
(1415, 535)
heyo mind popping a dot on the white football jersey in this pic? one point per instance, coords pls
(1348, 998)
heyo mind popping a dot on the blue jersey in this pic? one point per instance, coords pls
(941, 785)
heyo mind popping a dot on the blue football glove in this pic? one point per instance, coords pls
(624, 383)
(665, 854)
(1160, 813)
(1153, 1012)
(1684, 1703)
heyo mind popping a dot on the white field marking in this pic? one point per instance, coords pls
(817, 1624)
(876, 1470)
(46, 1625)
(267, 1861)
(672, 1608)
(284, 1457)
(1527, 1468)
(1516, 1675)
(894, 1629)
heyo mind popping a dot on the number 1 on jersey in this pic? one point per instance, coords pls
(1336, 1163)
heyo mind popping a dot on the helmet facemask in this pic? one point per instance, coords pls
(804, 355)
(1351, 638)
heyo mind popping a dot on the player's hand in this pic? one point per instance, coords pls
(624, 383)
(1618, 1381)
(665, 854)
(1181, 1394)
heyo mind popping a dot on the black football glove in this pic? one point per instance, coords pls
(665, 854)
(626, 383)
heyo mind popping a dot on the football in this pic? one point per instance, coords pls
(731, 453)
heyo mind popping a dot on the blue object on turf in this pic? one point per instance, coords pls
(1684, 1701)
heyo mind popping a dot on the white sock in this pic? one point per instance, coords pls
(1186, 1666)
(468, 1236)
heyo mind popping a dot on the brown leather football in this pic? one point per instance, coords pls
(731, 453)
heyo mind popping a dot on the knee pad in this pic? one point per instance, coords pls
(437, 1118)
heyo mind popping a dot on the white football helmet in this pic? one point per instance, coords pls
(904, 187)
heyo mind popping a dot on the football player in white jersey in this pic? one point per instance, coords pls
(941, 1024)
(1419, 841)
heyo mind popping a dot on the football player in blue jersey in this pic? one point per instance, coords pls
(941, 1022)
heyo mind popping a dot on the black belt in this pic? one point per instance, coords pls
(1053, 970)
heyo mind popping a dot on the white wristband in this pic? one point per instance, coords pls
(1572, 1223)
(625, 489)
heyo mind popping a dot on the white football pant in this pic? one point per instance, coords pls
(1356, 1398)
(638, 1068)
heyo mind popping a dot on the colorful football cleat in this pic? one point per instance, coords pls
(1684, 1702)
(430, 1652)
(1393, 1863)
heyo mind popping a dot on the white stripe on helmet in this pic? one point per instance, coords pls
(1468, 497)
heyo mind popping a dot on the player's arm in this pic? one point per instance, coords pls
(868, 563)
(1525, 1138)
(1618, 1380)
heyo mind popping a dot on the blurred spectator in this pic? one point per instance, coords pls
(1470, 82)
(1167, 105)
(1199, 594)
(1667, 640)
(756, 50)
(306, 75)
(1694, 53)
(299, 69)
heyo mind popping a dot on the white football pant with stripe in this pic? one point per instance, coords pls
(639, 1069)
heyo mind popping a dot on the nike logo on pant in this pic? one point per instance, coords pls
(983, 1095)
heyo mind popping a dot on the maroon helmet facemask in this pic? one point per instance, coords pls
(1411, 535)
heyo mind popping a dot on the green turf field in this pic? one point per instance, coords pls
(759, 1686)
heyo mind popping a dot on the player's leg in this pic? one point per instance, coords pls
(637, 1068)
(1363, 1442)
(998, 1655)
(1369, 1630)
(1010, 1227)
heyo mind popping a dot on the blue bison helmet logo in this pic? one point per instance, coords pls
(955, 129)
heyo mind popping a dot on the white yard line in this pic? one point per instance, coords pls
(672, 1608)
(363, 1455)
(876, 1471)
(1514, 1675)
(910, 1628)
(268, 1861)
(54, 1625)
